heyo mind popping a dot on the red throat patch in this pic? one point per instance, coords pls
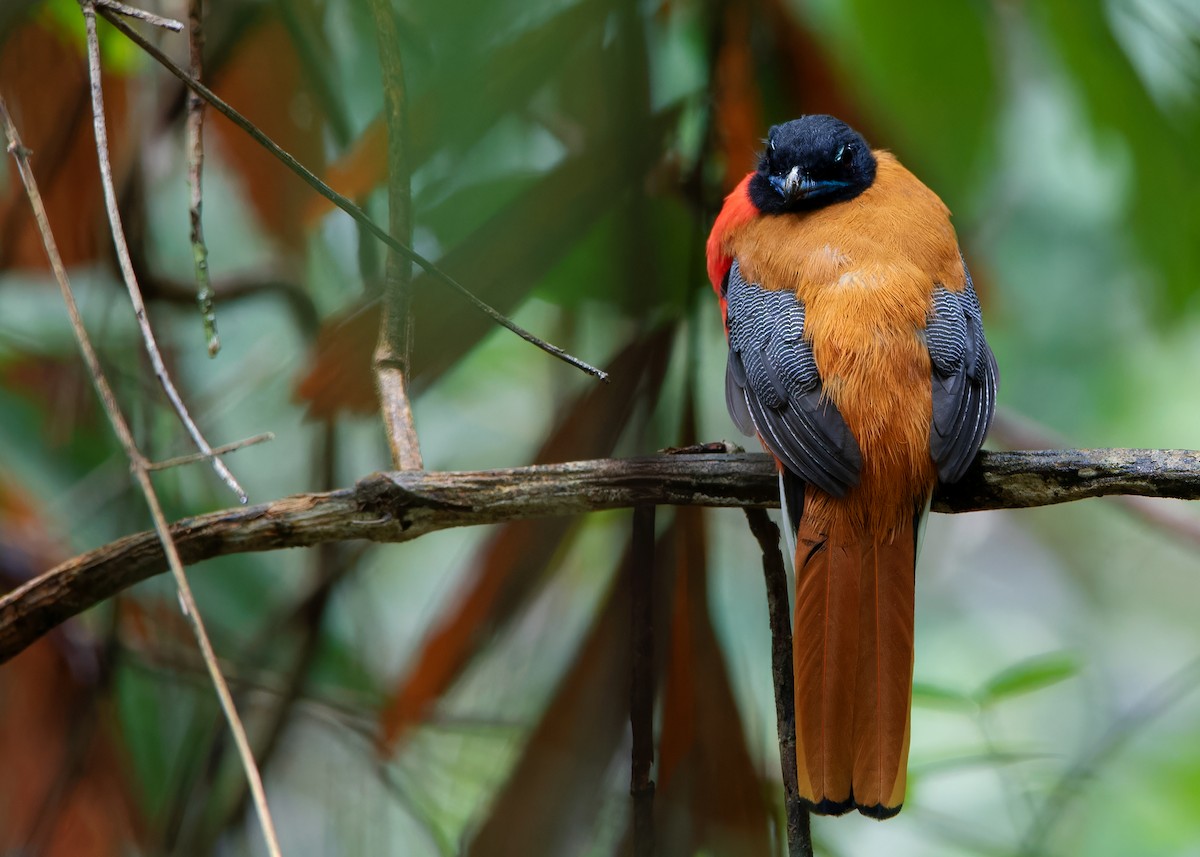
(737, 212)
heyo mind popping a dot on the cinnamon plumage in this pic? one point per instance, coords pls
(857, 356)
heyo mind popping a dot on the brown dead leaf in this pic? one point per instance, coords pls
(738, 101)
(501, 262)
(797, 60)
(549, 804)
(59, 386)
(264, 79)
(356, 173)
(468, 97)
(64, 791)
(710, 795)
(514, 561)
(43, 79)
(338, 377)
(812, 79)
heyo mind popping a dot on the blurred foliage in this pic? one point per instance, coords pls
(569, 156)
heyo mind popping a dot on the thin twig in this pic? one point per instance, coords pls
(138, 464)
(331, 563)
(344, 203)
(188, 604)
(393, 365)
(141, 14)
(342, 710)
(181, 460)
(400, 507)
(641, 679)
(799, 837)
(100, 128)
(195, 158)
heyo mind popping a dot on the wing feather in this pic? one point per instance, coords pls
(964, 379)
(772, 383)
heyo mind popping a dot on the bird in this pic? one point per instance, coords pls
(857, 356)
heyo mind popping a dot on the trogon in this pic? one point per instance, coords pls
(857, 356)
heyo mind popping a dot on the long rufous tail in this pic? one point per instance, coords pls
(852, 653)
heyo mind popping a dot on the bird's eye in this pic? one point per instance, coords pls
(844, 151)
(769, 155)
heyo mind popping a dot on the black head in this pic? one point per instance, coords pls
(811, 162)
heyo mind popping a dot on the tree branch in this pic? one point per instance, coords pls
(799, 831)
(398, 507)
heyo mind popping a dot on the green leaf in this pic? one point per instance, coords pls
(926, 77)
(965, 759)
(117, 53)
(935, 696)
(1026, 676)
(1160, 142)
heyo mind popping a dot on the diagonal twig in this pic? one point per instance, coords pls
(179, 460)
(100, 129)
(346, 205)
(139, 466)
(394, 349)
(141, 14)
(332, 563)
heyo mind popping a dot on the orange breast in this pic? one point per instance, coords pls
(865, 270)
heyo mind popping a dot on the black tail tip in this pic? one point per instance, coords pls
(825, 806)
(879, 812)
